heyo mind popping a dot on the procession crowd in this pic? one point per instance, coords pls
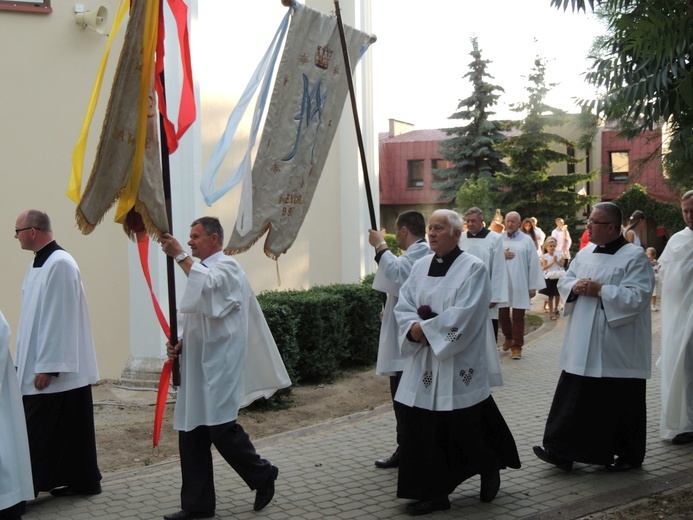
(457, 285)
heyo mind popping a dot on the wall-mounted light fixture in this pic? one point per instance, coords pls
(95, 20)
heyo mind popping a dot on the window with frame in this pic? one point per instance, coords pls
(415, 174)
(28, 6)
(570, 151)
(437, 164)
(619, 168)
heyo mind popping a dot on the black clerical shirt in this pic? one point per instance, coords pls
(46, 251)
(441, 266)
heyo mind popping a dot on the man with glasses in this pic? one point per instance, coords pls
(598, 414)
(56, 364)
(487, 246)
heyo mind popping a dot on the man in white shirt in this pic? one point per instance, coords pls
(676, 361)
(563, 240)
(452, 428)
(224, 332)
(598, 414)
(410, 233)
(16, 485)
(525, 278)
(487, 246)
(56, 365)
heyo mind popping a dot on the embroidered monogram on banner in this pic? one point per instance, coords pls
(307, 101)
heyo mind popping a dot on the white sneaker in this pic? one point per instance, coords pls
(654, 308)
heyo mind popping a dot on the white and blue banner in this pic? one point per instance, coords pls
(307, 101)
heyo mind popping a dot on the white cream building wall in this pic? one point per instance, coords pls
(47, 70)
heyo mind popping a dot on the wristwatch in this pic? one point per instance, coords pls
(180, 257)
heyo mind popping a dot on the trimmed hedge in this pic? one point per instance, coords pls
(361, 318)
(319, 333)
(324, 328)
(283, 325)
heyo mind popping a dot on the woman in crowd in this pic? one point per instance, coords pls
(636, 224)
(528, 229)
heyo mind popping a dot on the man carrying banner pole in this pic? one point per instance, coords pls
(228, 358)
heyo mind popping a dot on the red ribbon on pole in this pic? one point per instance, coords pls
(187, 110)
(161, 397)
(143, 249)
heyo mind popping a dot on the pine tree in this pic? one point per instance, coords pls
(473, 148)
(530, 190)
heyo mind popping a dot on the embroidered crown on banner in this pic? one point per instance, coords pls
(323, 56)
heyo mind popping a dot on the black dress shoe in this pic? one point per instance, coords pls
(621, 465)
(188, 515)
(490, 484)
(424, 507)
(391, 462)
(72, 491)
(546, 455)
(264, 495)
(683, 438)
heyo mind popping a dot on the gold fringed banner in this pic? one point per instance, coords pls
(127, 166)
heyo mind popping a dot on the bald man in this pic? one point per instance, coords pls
(525, 278)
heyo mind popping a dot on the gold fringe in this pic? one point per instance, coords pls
(83, 224)
(230, 252)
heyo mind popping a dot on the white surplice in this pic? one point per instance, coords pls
(456, 370)
(54, 332)
(524, 270)
(229, 355)
(676, 361)
(489, 250)
(16, 483)
(609, 336)
(391, 274)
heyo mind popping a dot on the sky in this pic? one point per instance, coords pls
(423, 46)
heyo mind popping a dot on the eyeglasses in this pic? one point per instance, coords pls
(17, 231)
(590, 222)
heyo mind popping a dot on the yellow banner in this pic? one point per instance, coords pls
(146, 102)
(75, 184)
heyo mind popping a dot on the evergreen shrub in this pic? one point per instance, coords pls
(361, 319)
(320, 331)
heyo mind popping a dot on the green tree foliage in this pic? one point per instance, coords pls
(529, 189)
(643, 66)
(472, 149)
(479, 193)
(664, 214)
